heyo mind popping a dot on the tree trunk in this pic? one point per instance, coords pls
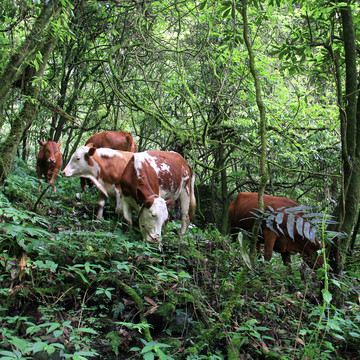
(27, 51)
(262, 125)
(350, 132)
(31, 91)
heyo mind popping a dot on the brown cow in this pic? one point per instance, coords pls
(241, 216)
(49, 161)
(152, 181)
(103, 167)
(117, 140)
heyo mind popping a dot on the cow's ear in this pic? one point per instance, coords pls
(42, 143)
(168, 202)
(140, 195)
(92, 151)
(143, 199)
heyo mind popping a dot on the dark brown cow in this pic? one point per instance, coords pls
(242, 218)
(49, 161)
(117, 140)
(151, 182)
(103, 167)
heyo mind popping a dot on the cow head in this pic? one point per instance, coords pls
(51, 150)
(82, 164)
(153, 214)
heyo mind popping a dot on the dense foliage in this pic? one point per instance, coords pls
(73, 287)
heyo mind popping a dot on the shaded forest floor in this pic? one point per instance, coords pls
(77, 288)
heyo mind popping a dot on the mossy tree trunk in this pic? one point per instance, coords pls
(27, 51)
(349, 107)
(31, 88)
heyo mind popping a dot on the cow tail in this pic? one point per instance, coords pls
(192, 206)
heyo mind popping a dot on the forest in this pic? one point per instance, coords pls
(258, 96)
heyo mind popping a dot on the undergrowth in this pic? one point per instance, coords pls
(77, 288)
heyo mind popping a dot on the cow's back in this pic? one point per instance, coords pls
(243, 207)
(147, 170)
(117, 140)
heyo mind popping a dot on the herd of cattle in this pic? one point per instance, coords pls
(151, 182)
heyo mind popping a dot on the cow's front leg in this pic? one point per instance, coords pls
(126, 208)
(101, 205)
(269, 243)
(118, 201)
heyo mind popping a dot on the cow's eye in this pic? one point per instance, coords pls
(78, 158)
(153, 215)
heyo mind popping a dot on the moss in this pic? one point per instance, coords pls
(171, 297)
(192, 350)
(138, 302)
(241, 281)
(208, 338)
(180, 298)
(256, 287)
(235, 347)
(147, 290)
(166, 311)
(185, 298)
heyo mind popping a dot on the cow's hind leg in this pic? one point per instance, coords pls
(184, 210)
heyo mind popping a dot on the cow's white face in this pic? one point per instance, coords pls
(78, 165)
(152, 219)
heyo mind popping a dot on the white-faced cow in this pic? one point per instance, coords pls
(241, 216)
(151, 182)
(117, 140)
(49, 160)
(103, 167)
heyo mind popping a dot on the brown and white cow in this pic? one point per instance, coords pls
(152, 181)
(241, 217)
(103, 167)
(117, 140)
(49, 160)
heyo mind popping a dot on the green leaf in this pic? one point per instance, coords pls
(299, 226)
(290, 225)
(39, 346)
(108, 294)
(50, 349)
(161, 354)
(149, 356)
(57, 333)
(53, 327)
(203, 5)
(82, 276)
(21, 344)
(279, 218)
(8, 355)
(327, 296)
(354, 334)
